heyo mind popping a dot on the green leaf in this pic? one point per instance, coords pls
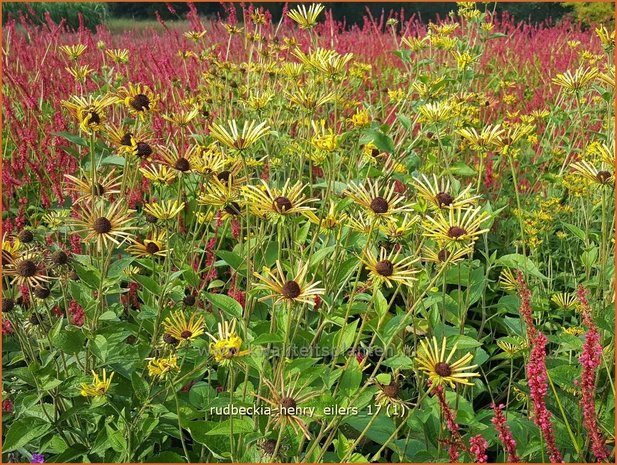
(399, 361)
(69, 340)
(578, 232)
(23, 431)
(461, 169)
(382, 141)
(231, 307)
(231, 258)
(118, 266)
(351, 379)
(240, 425)
(149, 283)
(72, 138)
(520, 262)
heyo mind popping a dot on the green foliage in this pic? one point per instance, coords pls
(93, 13)
(590, 13)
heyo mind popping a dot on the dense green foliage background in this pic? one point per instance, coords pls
(98, 12)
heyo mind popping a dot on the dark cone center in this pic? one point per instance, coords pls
(102, 225)
(444, 199)
(36, 319)
(59, 258)
(26, 236)
(140, 102)
(443, 255)
(94, 118)
(152, 248)
(223, 176)
(98, 190)
(384, 268)
(150, 218)
(143, 150)
(233, 208)
(456, 231)
(41, 292)
(291, 290)
(189, 300)
(169, 339)
(282, 204)
(7, 305)
(288, 403)
(126, 139)
(182, 164)
(391, 390)
(443, 369)
(375, 152)
(603, 177)
(186, 334)
(269, 446)
(379, 205)
(26, 268)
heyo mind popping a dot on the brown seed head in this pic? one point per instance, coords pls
(384, 268)
(291, 290)
(282, 204)
(379, 205)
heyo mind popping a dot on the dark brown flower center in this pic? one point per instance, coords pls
(26, 236)
(379, 205)
(288, 403)
(291, 290)
(391, 390)
(443, 369)
(455, 232)
(98, 189)
(603, 177)
(384, 268)
(143, 150)
(26, 268)
(282, 204)
(269, 446)
(444, 199)
(186, 334)
(93, 117)
(182, 164)
(102, 225)
(150, 218)
(59, 258)
(233, 208)
(223, 176)
(443, 255)
(7, 305)
(140, 102)
(169, 339)
(375, 152)
(126, 139)
(189, 300)
(36, 319)
(152, 248)
(41, 292)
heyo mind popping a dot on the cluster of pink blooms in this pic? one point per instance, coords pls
(76, 313)
(504, 433)
(590, 361)
(537, 377)
(477, 448)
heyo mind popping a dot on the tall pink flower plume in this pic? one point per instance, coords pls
(590, 360)
(537, 377)
(504, 433)
(477, 448)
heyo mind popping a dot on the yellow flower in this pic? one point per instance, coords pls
(181, 329)
(165, 209)
(326, 61)
(309, 99)
(488, 137)
(73, 51)
(306, 19)
(288, 290)
(577, 81)
(118, 55)
(376, 201)
(183, 117)
(565, 301)
(89, 111)
(277, 203)
(138, 99)
(158, 173)
(91, 189)
(459, 228)
(590, 172)
(440, 194)
(98, 387)
(225, 347)
(234, 139)
(194, 35)
(104, 228)
(160, 367)
(80, 73)
(465, 59)
(388, 269)
(607, 39)
(432, 360)
(153, 247)
(361, 118)
(324, 139)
